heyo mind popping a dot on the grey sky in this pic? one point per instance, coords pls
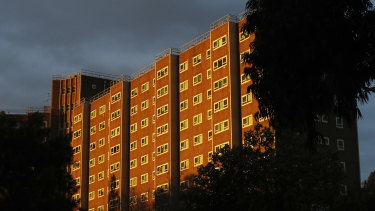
(41, 38)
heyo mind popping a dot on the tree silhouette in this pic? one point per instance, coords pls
(309, 58)
(33, 169)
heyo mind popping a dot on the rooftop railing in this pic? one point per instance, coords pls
(194, 42)
(166, 52)
(85, 73)
(142, 71)
(223, 20)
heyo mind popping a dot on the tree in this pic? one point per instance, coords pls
(34, 170)
(257, 177)
(309, 58)
(369, 189)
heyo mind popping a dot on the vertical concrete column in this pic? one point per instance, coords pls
(125, 146)
(174, 119)
(85, 155)
(235, 83)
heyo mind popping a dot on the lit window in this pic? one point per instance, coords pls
(92, 162)
(133, 145)
(133, 163)
(76, 165)
(162, 169)
(77, 134)
(134, 92)
(220, 63)
(197, 119)
(245, 78)
(101, 142)
(114, 167)
(184, 124)
(100, 193)
(209, 157)
(115, 115)
(133, 110)
(133, 200)
(144, 123)
(116, 97)
(183, 66)
(144, 197)
(221, 105)
(221, 146)
(92, 146)
(198, 160)
(197, 59)
(115, 132)
(184, 85)
(197, 79)
(220, 42)
(102, 109)
(76, 149)
(77, 118)
(219, 84)
(92, 195)
(162, 110)
(144, 178)
(162, 189)
(162, 91)
(162, 130)
(115, 149)
(197, 99)
(92, 130)
(184, 105)
(209, 94)
(221, 126)
(242, 56)
(144, 105)
(101, 126)
(144, 141)
(198, 139)
(209, 134)
(144, 87)
(115, 184)
(133, 182)
(162, 73)
(246, 99)
(162, 149)
(93, 114)
(91, 179)
(184, 144)
(244, 36)
(100, 175)
(247, 121)
(133, 128)
(208, 54)
(209, 114)
(184, 165)
(144, 159)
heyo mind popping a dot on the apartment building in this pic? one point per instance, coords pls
(136, 139)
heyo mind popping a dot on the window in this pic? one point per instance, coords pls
(208, 73)
(220, 42)
(144, 141)
(162, 110)
(184, 124)
(92, 162)
(162, 130)
(115, 115)
(197, 99)
(220, 63)
(184, 144)
(162, 189)
(115, 132)
(162, 73)
(144, 178)
(246, 99)
(76, 165)
(162, 169)
(62, 91)
(115, 184)
(162, 149)
(153, 100)
(114, 203)
(221, 146)
(76, 149)
(340, 144)
(219, 84)
(100, 193)
(91, 179)
(101, 126)
(242, 56)
(183, 66)
(247, 121)
(144, 159)
(115, 149)
(134, 92)
(197, 119)
(133, 163)
(153, 137)
(116, 97)
(153, 156)
(153, 175)
(184, 105)
(144, 105)
(209, 134)
(221, 126)
(343, 166)
(144, 197)
(92, 146)
(339, 122)
(197, 59)
(209, 114)
(209, 157)
(93, 114)
(162, 91)
(92, 195)
(184, 165)
(77, 180)
(144, 123)
(153, 119)
(133, 110)
(245, 78)
(153, 82)
(144, 87)
(133, 128)
(221, 105)
(324, 140)
(100, 175)
(133, 182)
(198, 139)
(114, 167)
(208, 54)
(244, 36)
(197, 79)
(133, 200)
(101, 208)
(102, 109)
(77, 118)
(133, 145)
(343, 190)
(184, 85)
(92, 130)
(198, 160)
(77, 134)
(209, 94)
(101, 142)
(324, 118)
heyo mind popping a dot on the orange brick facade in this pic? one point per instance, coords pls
(141, 136)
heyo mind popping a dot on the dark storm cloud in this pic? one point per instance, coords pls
(41, 38)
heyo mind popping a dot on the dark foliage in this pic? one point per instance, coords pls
(256, 177)
(309, 56)
(33, 169)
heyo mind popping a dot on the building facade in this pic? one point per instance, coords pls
(136, 139)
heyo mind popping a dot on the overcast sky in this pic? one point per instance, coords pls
(41, 38)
